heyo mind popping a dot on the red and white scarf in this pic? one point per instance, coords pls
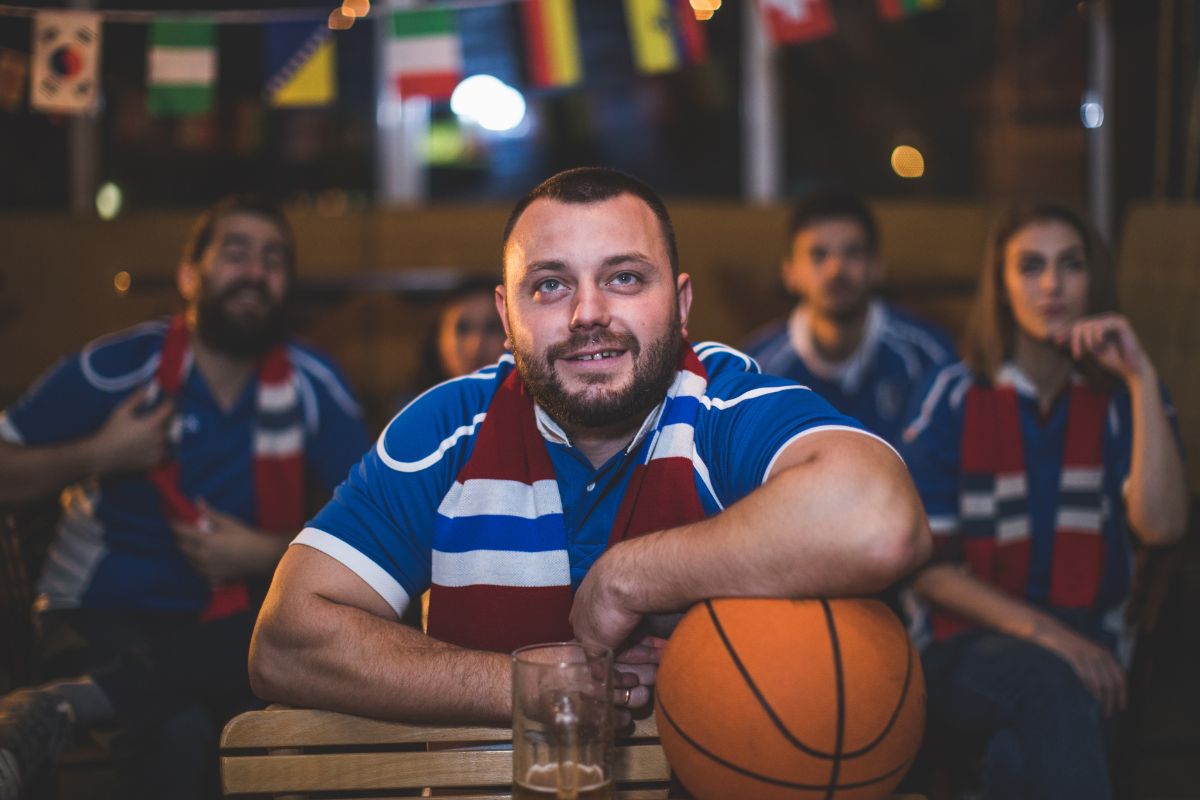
(994, 527)
(278, 454)
(501, 575)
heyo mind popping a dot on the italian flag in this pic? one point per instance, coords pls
(425, 53)
(181, 67)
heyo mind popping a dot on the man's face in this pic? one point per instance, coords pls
(593, 315)
(242, 283)
(831, 265)
(470, 335)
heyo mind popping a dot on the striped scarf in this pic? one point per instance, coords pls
(278, 466)
(501, 576)
(993, 502)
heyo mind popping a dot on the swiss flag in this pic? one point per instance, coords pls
(795, 21)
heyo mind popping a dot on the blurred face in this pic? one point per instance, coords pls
(1046, 278)
(239, 286)
(470, 335)
(594, 317)
(831, 265)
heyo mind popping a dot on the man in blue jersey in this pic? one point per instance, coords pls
(181, 449)
(603, 472)
(861, 354)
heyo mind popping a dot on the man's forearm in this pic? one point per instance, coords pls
(322, 654)
(34, 473)
(830, 524)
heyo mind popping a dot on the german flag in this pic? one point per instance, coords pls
(552, 42)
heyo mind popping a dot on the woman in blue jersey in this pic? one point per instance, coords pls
(1042, 459)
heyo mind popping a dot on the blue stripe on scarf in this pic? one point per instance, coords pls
(500, 532)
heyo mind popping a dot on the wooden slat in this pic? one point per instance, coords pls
(319, 772)
(298, 727)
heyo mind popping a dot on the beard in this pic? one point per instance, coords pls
(850, 307)
(240, 336)
(654, 370)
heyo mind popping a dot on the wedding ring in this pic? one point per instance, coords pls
(628, 696)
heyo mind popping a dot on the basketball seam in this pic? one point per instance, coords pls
(840, 682)
(766, 778)
(787, 734)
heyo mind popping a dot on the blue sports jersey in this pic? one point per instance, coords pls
(380, 522)
(932, 445)
(876, 383)
(114, 547)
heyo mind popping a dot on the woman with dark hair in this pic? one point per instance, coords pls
(1042, 459)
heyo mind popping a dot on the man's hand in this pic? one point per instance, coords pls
(223, 548)
(129, 440)
(1094, 665)
(634, 671)
(603, 612)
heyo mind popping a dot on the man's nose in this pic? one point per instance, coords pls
(590, 308)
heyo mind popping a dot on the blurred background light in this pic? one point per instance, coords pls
(907, 162)
(339, 20)
(122, 281)
(1091, 110)
(356, 8)
(488, 102)
(109, 200)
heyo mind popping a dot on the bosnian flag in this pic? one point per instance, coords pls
(795, 21)
(425, 53)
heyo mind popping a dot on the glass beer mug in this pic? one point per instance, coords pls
(562, 722)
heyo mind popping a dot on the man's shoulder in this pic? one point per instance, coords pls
(733, 374)
(930, 340)
(766, 338)
(120, 361)
(441, 419)
(319, 369)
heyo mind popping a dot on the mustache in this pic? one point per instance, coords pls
(246, 284)
(617, 341)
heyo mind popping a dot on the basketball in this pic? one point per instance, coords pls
(790, 699)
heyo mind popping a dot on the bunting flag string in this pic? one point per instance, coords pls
(423, 54)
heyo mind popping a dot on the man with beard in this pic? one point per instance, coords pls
(183, 446)
(862, 355)
(605, 472)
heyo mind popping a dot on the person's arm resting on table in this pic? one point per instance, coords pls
(326, 639)
(838, 515)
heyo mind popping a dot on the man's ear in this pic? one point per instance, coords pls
(683, 291)
(187, 280)
(502, 310)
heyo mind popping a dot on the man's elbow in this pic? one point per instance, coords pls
(901, 542)
(268, 663)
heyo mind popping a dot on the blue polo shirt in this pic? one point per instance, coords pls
(875, 384)
(380, 522)
(114, 547)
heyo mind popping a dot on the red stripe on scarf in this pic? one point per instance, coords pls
(278, 480)
(500, 618)
(1078, 564)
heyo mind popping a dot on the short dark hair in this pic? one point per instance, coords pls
(241, 203)
(830, 203)
(593, 185)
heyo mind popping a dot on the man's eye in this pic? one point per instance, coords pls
(625, 279)
(548, 285)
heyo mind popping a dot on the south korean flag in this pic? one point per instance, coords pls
(66, 61)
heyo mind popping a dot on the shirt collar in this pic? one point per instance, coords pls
(848, 373)
(551, 431)
(1010, 374)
